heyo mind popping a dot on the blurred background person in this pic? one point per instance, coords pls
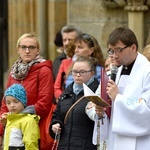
(59, 84)
(59, 42)
(146, 51)
(69, 33)
(107, 63)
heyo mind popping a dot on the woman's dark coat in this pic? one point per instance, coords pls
(77, 132)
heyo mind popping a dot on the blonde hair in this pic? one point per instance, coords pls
(28, 35)
(146, 51)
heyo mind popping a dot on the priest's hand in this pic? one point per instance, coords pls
(112, 89)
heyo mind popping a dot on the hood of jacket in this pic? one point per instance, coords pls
(47, 63)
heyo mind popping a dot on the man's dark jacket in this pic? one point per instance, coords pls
(57, 62)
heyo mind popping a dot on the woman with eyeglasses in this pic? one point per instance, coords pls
(86, 45)
(35, 74)
(76, 128)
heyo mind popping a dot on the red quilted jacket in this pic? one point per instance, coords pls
(40, 89)
(66, 63)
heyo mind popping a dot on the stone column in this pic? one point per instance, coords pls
(42, 25)
(57, 18)
(21, 19)
(136, 10)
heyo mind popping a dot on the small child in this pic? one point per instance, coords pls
(22, 130)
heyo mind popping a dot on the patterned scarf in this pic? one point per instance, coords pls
(20, 70)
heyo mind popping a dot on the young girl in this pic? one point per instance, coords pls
(22, 130)
(76, 128)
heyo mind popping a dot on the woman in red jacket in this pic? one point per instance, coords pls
(35, 74)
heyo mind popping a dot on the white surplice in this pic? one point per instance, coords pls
(130, 119)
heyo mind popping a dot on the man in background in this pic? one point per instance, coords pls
(69, 33)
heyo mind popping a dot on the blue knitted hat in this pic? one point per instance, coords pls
(17, 91)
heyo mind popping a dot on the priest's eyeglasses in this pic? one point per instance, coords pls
(30, 48)
(81, 72)
(116, 51)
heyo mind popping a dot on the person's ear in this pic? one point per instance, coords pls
(91, 51)
(18, 51)
(38, 51)
(134, 47)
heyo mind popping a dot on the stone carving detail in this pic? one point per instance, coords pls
(137, 5)
(130, 5)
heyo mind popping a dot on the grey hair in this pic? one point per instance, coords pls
(71, 28)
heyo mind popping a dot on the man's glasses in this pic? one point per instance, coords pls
(88, 38)
(81, 72)
(30, 48)
(116, 51)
